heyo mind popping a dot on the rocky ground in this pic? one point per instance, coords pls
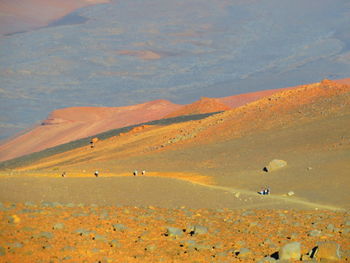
(54, 232)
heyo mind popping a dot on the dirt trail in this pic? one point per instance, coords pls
(278, 198)
(199, 185)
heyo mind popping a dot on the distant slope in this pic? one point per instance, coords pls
(307, 126)
(206, 105)
(83, 142)
(282, 110)
(69, 124)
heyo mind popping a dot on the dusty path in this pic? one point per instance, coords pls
(272, 198)
(143, 191)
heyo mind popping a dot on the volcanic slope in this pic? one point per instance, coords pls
(307, 126)
(69, 124)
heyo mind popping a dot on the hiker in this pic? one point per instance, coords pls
(143, 172)
(63, 174)
(96, 173)
(135, 173)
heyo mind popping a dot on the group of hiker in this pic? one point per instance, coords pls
(264, 191)
(96, 173)
(135, 173)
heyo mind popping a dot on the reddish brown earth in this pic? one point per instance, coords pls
(52, 232)
(204, 105)
(73, 123)
(343, 81)
(241, 99)
(18, 15)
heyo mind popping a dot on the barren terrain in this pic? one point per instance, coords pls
(203, 173)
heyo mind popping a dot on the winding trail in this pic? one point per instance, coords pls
(272, 197)
(36, 187)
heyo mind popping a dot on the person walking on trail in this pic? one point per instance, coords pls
(63, 174)
(143, 172)
(96, 173)
(135, 173)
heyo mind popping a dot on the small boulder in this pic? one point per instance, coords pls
(275, 165)
(328, 250)
(197, 230)
(44, 234)
(115, 243)
(119, 227)
(290, 251)
(244, 253)
(83, 232)
(98, 237)
(58, 226)
(13, 219)
(173, 232)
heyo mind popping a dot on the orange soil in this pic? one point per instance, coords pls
(343, 81)
(242, 99)
(51, 232)
(281, 109)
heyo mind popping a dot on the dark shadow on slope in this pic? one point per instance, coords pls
(70, 19)
(27, 159)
